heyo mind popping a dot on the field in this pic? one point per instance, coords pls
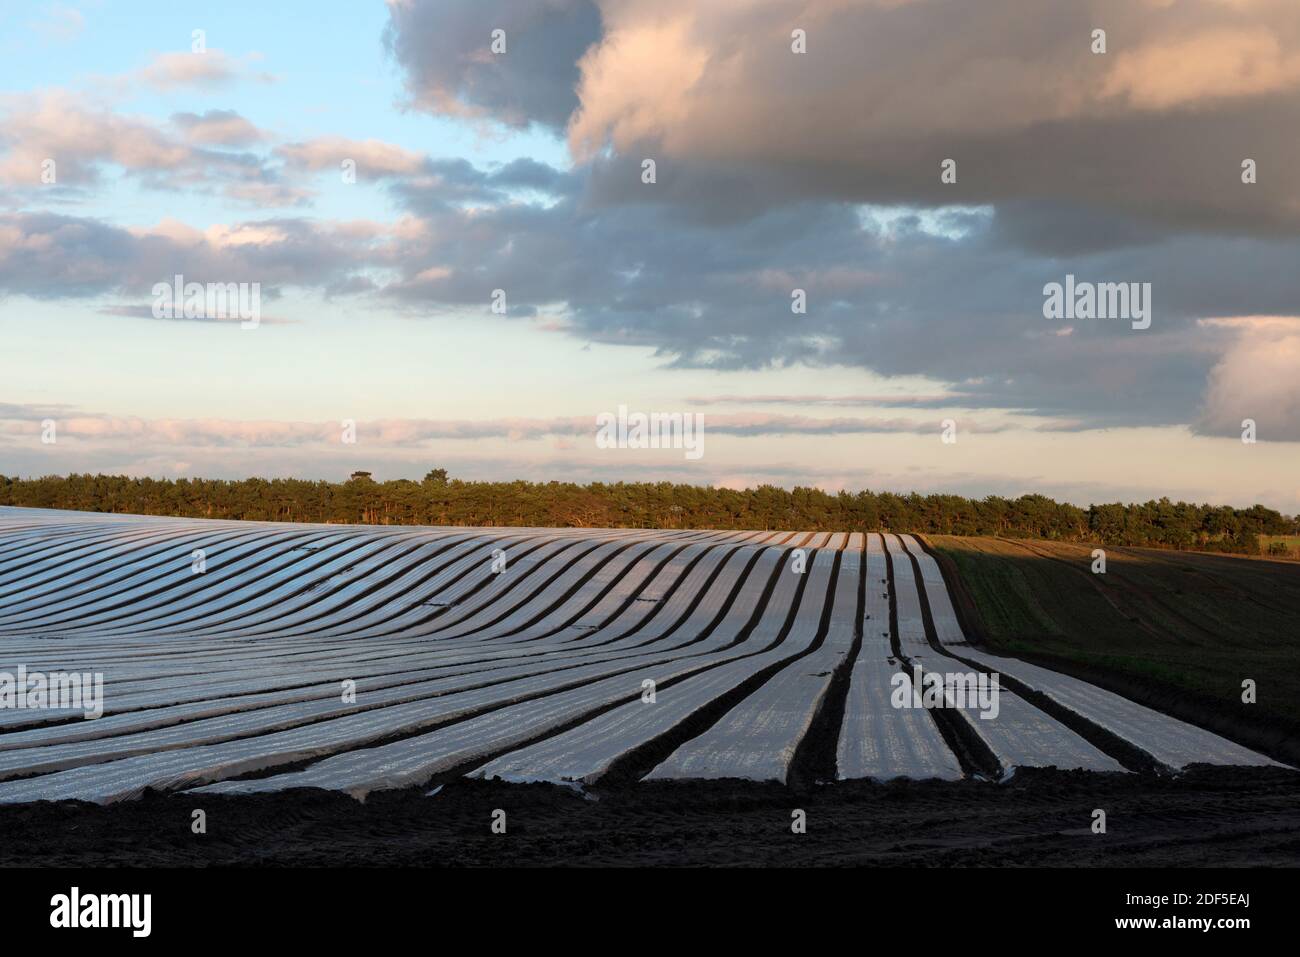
(1290, 542)
(1180, 630)
(713, 674)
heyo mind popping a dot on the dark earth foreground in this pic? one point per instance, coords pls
(1224, 817)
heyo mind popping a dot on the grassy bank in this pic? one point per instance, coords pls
(1180, 629)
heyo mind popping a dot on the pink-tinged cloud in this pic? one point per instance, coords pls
(373, 158)
(1215, 64)
(17, 420)
(209, 69)
(888, 90)
(57, 138)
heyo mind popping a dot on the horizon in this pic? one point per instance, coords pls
(365, 475)
(1089, 303)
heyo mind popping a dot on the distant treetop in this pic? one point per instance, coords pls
(441, 500)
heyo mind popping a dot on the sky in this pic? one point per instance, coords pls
(460, 248)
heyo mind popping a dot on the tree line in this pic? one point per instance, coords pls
(440, 500)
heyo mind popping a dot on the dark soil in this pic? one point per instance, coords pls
(1206, 817)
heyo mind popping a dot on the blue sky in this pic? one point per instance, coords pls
(522, 171)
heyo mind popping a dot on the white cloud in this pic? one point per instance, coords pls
(1257, 379)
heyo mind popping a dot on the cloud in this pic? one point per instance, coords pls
(50, 256)
(948, 296)
(373, 157)
(1256, 378)
(949, 400)
(208, 70)
(944, 295)
(84, 140)
(760, 424)
(19, 420)
(886, 91)
(59, 23)
(218, 128)
(776, 171)
(1210, 65)
(444, 51)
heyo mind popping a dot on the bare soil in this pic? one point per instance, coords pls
(1218, 817)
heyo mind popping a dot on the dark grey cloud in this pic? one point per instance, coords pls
(444, 51)
(51, 256)
(948, 296)
(957, 296)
